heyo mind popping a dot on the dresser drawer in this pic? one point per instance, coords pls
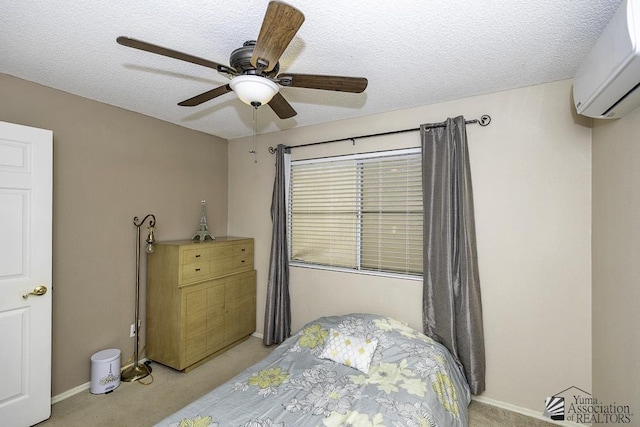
(190, 256)
(196, 270)
(231, 250)
(231, 265)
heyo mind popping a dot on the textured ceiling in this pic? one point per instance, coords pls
(413, 52)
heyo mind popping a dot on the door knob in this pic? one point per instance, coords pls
(39, 290)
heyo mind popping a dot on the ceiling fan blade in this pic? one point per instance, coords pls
(206, 96)
(313, 81)
(139, 44)
(281, 107)
(281, 22)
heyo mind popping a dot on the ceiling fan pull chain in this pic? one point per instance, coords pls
(255, 131)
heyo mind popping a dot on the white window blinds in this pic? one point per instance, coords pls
(362, 213)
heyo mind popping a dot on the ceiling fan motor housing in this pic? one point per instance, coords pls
(240, 60)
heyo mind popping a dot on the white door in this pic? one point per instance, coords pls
(26, 164)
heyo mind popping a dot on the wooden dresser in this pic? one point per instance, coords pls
(201, 299)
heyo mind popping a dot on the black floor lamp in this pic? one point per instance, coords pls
(139, 370)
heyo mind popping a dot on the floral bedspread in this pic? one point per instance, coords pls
(412, 381)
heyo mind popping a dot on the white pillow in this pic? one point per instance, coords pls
(354, 352)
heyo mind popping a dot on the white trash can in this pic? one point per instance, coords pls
(105, 371)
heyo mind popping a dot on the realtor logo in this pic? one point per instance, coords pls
(554, 408)
(579, 406)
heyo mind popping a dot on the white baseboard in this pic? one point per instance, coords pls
(523, 411)
(67, 394)
(257, 335)
(82, 387)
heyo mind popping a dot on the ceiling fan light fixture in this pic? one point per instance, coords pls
(253, 90)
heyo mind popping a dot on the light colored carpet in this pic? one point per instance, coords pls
(135, 404)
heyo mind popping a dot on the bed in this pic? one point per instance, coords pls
(353, 370)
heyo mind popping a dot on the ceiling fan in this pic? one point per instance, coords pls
(254, 67)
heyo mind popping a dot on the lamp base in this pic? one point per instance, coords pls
(135, 372)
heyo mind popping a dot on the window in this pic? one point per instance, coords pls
(359, 213)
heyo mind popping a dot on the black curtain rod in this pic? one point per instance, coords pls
(484, 120)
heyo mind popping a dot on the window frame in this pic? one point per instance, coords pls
(358, 246)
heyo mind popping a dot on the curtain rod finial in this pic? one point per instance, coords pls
(485, 119)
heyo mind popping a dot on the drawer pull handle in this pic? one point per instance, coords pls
(197, 269)
(242, 261)
(242, 249)
(198, 256)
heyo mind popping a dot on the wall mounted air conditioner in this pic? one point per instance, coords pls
(606, 85)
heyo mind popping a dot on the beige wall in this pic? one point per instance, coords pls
(109, 166)
(532, 185)
(616, 262)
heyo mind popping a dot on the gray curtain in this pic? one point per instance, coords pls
(452, 307)
(277, 316)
